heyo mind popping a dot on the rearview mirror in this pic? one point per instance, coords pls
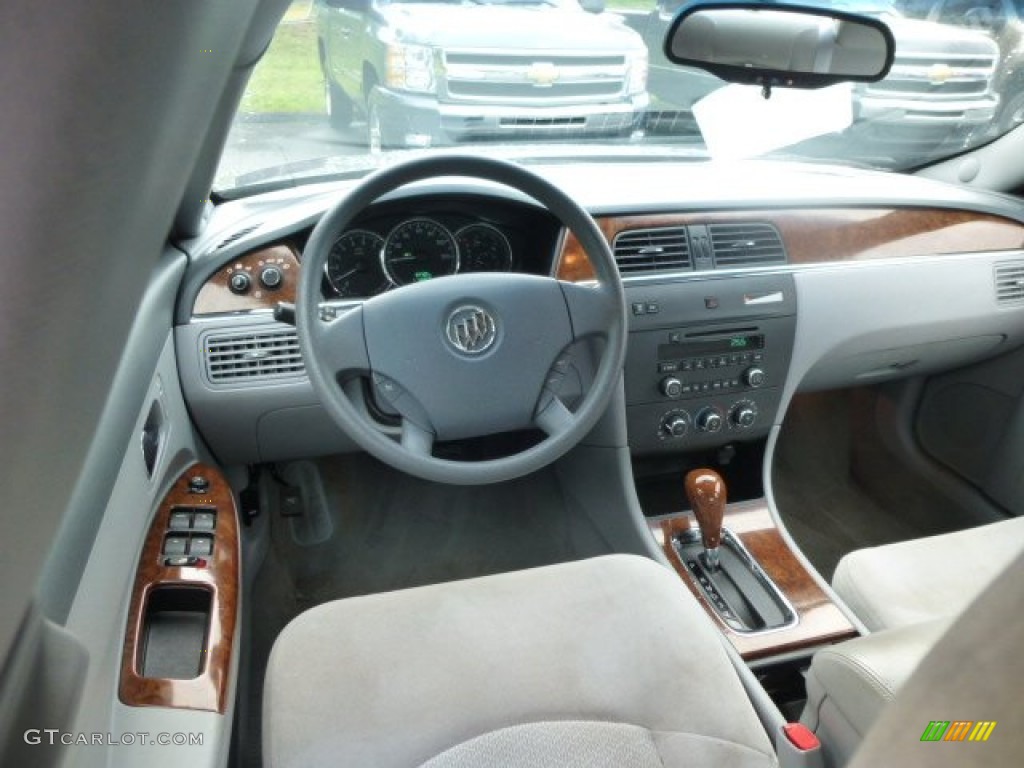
(780, 45)
(592, 6)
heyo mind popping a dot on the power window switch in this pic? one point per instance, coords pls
(201, 546)
(180, 521)
(204, 521)
(175, 545)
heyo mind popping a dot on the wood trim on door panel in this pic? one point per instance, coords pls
(815, 236)
(819, 619)
(220, 576)
(216, 295)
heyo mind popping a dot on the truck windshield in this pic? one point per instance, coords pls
(347, 84)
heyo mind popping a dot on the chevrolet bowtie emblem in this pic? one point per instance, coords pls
(542, 74)
(940, 73)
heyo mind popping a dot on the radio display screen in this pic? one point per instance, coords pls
(721, 345)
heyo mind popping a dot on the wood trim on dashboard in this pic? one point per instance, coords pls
(216, 295)
(819, 619)
(827, 235)
(220, 577)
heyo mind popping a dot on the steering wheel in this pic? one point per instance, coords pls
(464, 355)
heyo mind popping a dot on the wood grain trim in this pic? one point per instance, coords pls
(216, 296)
(819, 619)
(827, 235)
(221, 577)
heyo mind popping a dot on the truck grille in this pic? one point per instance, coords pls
(526, 80)
(938, 75)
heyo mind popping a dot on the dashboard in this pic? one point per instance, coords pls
(745, 285)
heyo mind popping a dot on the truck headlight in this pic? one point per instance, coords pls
(637, 80)
(410, 67)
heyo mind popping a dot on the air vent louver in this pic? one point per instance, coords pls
(652, 250)
(1010, 282)
(746, 245)
(264, 354)
(235, 236)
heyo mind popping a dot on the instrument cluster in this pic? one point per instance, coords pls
(367, 260)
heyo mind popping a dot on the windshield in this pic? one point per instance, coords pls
(348, 84)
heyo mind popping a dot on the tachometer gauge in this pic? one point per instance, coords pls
(353, 265)
(419, 249)
(482, 248)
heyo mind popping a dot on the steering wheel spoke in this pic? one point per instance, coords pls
(592, 309)
(416, 439)
(340, 341)
(553, 417)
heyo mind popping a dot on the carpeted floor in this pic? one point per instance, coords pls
(838, 489)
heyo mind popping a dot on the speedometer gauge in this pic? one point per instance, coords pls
(482, 248)
(353, 265)
(419, 249)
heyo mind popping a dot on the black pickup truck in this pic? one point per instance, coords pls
(432, 72)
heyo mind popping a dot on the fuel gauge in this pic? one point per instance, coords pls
(483, 248)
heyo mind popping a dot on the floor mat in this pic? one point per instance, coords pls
(824, 504)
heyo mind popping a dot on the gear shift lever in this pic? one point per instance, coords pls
(706, 491)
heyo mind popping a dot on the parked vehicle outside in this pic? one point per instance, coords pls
(938, 94)
(434, 72)
(1004, 21)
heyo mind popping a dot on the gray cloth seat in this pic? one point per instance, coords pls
(603, 662)
(929, 578)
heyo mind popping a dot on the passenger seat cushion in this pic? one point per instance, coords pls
(591, 651)
(912, 581)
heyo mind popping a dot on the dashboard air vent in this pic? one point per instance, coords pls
(263, 354)
(652, 250)
(746, 245)
(235, 236)
(1010, 282)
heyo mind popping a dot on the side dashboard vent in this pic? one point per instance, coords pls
(235, 236)
(1010, 282)
(746, 245)
(652, 250)
(257, 355)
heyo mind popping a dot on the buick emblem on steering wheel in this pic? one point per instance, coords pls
(471, 330)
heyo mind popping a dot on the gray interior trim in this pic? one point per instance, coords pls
(994, 166)
(62, 570)
(769, 496)
(40, 688)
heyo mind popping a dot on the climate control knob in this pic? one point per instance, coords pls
(671, 387)
(743, 415)
(675, 424)
(709, 420)
(239, 283)
(271, 278)
(754, 377)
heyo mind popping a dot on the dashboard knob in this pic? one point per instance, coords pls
(709, 420)
(754, 377)
(240, 282)
(671, 387)
(743, 415)
(675, 424)
(271, 278)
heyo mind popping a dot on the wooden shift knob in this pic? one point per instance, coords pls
(705, 489)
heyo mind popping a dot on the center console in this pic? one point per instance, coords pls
(707, 360)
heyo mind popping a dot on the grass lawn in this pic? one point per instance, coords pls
(288, 77)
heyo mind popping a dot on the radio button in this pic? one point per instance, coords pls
(671, 387)
(754, 377)
(686, 365)
(668, 367)
(700, 364)
(675, 337)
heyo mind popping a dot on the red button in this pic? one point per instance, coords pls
(801, 737)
